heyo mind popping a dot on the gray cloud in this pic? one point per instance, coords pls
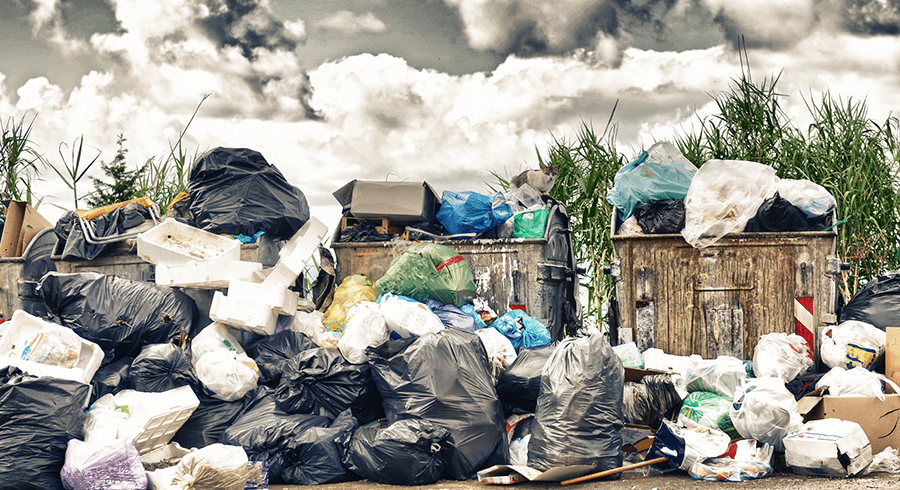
(244, 24)
(872, 17)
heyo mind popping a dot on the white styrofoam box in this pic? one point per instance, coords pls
(244, 315)
(161, 478)
(828, 447)
(283, 300)
(297, 252)
(159, 415)
(176, 244)
(206, 275)
(24, 328)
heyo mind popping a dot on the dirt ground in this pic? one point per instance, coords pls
(635, 481)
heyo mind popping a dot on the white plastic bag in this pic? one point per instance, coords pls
(763, 409)
(658, 360)
(54, 345)
(406, 318)
(310, 324)
(214, 336)
(630, 355)
(782, 356)
(218, 466)
(108, 420)
(500, 351)
(723, 196)
(852, 343)
(721, 375)
(102, 466)
(887, 461)
(227, 375)
(365, 328)
(855, 382)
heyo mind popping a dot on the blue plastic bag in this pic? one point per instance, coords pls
(453, 316)
(471, 212)
(643, 181)
(528, 333)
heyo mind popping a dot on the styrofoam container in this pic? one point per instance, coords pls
(283, 300)
(162, 478)
(159, 415)
(244, 315)
(296, 253)
(176, 244)
(206, 275)
(23, 327)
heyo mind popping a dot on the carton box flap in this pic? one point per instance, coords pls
(22, 223)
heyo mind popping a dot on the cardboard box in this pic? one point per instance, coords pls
(829, 447)
(879, 419)
(22, 223)
(892, 354)
(402, 203)
(504, 474)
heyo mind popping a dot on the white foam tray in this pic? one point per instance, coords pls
(176, 244)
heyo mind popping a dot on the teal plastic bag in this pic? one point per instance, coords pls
(530, 224)
(471, 212)
(643, 181)
(525, 333)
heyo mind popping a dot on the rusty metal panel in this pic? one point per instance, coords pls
(719, 300)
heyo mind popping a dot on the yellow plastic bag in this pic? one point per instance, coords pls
(351, 291)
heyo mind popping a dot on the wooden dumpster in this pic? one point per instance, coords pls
(719, 300)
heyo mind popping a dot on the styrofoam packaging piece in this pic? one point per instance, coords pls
(206, 275)
(176, 244)
(296, 252)
(283, 300)
(243, 315)
(159, 415)
(161, 479)
(23, 327)
(820, 446)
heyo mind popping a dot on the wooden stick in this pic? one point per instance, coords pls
(592, 476)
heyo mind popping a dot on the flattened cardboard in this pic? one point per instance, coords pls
(504, 474)
(880, 420)
(401, 202)
(22, 223)
(836, 448)
(892, 354)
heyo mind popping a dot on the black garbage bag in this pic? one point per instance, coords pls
(213, 416)
(518, 388)
(265, 431)
(659, 217)
(111, 378)
(68, 230)
(579, 410)
(877, 303)
(444, 378)
(37, 418)
(407, 452)
(119, 315)
(318, 455)
(364, 231)
(320, 381)
(235, 191)
(272, 353)
(777, 214)
(650, 400)
(163, 367)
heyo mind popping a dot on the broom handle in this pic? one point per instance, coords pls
(661, 459)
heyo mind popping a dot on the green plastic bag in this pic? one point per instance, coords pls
(709, 410)
(530, 224)
(429, 270)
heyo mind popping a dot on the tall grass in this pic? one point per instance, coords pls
(18, 160)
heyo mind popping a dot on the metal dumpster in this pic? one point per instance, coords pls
(534, 275)
(719, 300)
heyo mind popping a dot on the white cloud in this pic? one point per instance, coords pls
(347, 22)
(295, 30)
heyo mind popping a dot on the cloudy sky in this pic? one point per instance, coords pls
(446, 91)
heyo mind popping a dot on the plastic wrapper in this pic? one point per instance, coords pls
(645, 179)
(352, 290)
(116, 464)
(213, 416)
(630, 355)
(500, 351)
(226, 375)
(579, 409)
(162, 367)
(272, 353)
(519, 387)
(429, 270)
(518, 433)
(471, 212)
(727, 469)
(452, 316)
(709, 410)
(266, 433)
(37, 417)
(683, 446)
(318, 454)
(407, 452)
(119, 315)
(365, 328)
(887, 461)
(723, 196)
(444, 378)
(763, 409)
(521, 329)
(52, 345)
(321, 382)
(721, 375)
(216, 466)
(856, 382)
(648, 401)
(407, 318)
(310, 324)
(235, 191)
(851, 344)
(660, 217)
(781, 355)
(876, 303)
